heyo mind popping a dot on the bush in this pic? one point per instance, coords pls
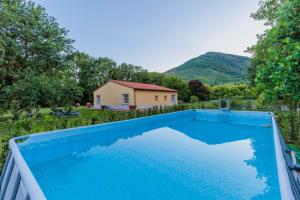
(194, 99)
(241, 91)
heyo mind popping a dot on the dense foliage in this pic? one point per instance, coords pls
(241, 91)
(276, 58)
(199, 90)
(93, 72)
(33, 59)
(214, 68)
(38, 65)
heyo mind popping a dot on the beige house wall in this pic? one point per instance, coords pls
(111, 95)
(145, 98)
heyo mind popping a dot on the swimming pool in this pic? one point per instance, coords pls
(194, 154)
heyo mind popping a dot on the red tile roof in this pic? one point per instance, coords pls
(143, 86)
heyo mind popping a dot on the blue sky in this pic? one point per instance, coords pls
(157, 34)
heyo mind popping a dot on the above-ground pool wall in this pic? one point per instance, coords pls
(33, 138)
(12, 187)
(17, 181)
(284, 182)
(239, 117)
(289, 186)
(65, 144)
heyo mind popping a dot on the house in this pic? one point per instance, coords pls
(121, 94)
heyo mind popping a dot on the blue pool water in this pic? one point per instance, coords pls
(188, 155)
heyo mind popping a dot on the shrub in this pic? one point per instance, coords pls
(194, 99)
(241, 91)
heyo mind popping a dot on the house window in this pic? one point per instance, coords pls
(166, 98)
(125, 99)
(156, 98)
(98, 99)
(173, 98)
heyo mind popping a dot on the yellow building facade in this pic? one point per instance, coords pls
(122, 94)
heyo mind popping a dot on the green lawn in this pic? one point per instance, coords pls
(43, 111)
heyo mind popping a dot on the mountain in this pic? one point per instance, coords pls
(214, 68)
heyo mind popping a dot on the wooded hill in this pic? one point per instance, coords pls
(214, 68)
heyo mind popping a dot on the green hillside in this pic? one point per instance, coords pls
(214, 68)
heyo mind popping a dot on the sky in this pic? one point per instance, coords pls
(157, 34)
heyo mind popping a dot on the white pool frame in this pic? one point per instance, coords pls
(284, 183)
(17, 181)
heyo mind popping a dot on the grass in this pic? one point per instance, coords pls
(43, 111)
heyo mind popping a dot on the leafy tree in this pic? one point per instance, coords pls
(107, 69)
(199, 90)
(148, 77)
(30, 39)
(70, 92)
(87, 74)
(33, 49)
(34, 90)
(194, 99)
(93, 72)
(278, 73)
(126, 71)
(23, 94)
(177, 83)
(267, 13)
(241, 91)
(166, 80)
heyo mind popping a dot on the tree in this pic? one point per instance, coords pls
(144, 76)
(87, 74)
(23, 94)
(94, 72)
(169, 81)
(34, 90)
(278, 73)
(33, 49)
(107, 69)
(126, 71)
(194, 99)
(30, 39)
(267, 13)
(241, 91)
(179, 84)
(198, 89)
